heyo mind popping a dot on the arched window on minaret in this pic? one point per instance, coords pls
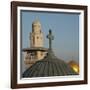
(33, 41)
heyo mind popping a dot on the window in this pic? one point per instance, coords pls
(41, 53)
(37, 37)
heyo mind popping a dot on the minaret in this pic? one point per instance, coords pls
(36, 51)
(36, 36)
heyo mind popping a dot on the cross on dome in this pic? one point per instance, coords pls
(50, 37)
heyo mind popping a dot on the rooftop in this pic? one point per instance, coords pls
(50, 65)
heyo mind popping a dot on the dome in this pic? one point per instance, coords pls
(49, 66)
(74, 66)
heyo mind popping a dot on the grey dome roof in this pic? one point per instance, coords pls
(49, 66)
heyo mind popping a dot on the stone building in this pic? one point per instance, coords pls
(36, 51)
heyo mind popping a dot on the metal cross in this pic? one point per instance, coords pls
(50, 37)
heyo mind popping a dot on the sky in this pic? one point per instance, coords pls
(65, 29)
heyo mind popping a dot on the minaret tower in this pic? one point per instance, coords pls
(36, 36)
(36, 51)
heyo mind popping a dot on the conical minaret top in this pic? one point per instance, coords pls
(36, 26)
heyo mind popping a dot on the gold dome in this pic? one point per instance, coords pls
(74, 66)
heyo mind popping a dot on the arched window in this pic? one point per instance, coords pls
(33, 41)
(40, 31)
(37, 37)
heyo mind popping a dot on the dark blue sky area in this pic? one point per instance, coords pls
(64, 26)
